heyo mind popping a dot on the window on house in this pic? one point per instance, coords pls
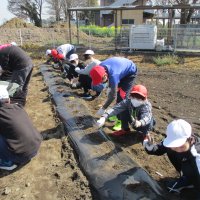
(127, 21)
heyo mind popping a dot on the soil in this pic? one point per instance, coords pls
(55, 173)
(174, 93)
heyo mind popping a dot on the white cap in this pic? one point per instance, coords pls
(177, 133)
(13, 43)
(73, 57)
(89, 52)
(3, 92)
(48, 51)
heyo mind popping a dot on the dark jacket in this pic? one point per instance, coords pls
(17, 129)
(69, 69)
(13, 58)
(187, 162)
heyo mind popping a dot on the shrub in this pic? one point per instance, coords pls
(99, 31)
(165, 60)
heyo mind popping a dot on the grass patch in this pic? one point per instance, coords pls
(99, 31)
(165, 60)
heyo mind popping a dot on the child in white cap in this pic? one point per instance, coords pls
(90, 62)
(183, 150)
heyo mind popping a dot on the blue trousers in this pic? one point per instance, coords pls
(71, 52)
(126, 85)
(8, 155)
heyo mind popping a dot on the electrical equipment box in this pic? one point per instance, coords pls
(143, 36)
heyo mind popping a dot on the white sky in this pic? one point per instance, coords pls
(5, 14)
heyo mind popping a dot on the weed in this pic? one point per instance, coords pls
(165, 60)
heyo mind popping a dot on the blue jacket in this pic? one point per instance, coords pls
(118, 68)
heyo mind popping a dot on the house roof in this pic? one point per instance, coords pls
(186, 6)
(117, 3)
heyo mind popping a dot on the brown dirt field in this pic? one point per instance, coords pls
(174, 93)
(54, 174)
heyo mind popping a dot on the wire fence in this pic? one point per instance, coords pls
(186, 37)
(178, 38)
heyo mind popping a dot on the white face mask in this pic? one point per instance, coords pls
(136, 102)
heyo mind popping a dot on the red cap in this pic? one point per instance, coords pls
(60, 56)
(54, 52)
(97, 74)
(139, 89)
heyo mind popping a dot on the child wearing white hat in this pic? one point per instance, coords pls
(183, 150)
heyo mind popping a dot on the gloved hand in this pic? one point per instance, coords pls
(100, 112)
(77, 69)
(136, 124)
(56, 65)
(13, 88)
(147, 145)
(101, 122)
(74, 82)
(73, 85)
(64, 75)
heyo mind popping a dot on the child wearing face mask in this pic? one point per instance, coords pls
(135, 110)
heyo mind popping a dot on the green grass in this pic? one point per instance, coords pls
(165, 60)
(99, 31)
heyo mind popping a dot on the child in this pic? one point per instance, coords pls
(183, 151)
(120, 73)
(135, 110)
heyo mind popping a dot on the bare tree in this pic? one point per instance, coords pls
(55, 8)
(185, 14)
(65, 5)
(92, 3)
(58, 8)
(27, 9)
